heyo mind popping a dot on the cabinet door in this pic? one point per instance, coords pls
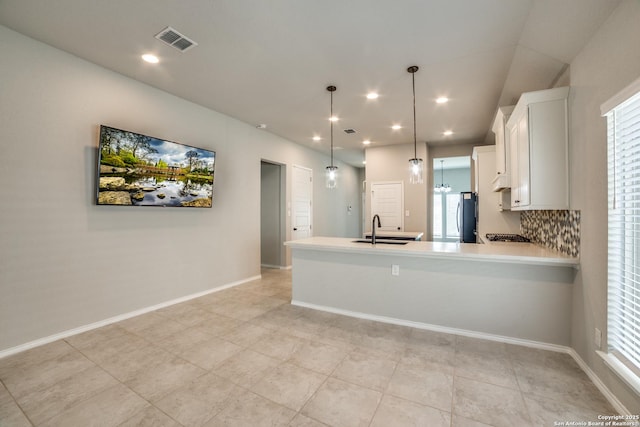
(501, 160)
(515, 180)
(523, 161)
(549, 176)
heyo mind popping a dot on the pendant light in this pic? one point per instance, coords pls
(332, 171)
(415, 164)
(442, 188)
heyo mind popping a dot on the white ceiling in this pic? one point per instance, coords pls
(270, 61)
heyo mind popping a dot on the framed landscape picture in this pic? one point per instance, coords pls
(140, 170)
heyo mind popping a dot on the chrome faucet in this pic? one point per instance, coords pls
(373, 228)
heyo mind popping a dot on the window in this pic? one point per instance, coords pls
(445, 217)
(623, 147)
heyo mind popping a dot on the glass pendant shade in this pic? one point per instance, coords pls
(442, 188)
(332, 176)
(332, 171)
(415, 175)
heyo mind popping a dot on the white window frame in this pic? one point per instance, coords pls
(623, 325)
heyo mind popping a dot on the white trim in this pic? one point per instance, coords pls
(617, 405)
(436, 328)
(277, 267)
(118, 318)
(620, 97)
(623, 372)
(613, 400)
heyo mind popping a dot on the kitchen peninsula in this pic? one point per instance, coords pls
(517, 292)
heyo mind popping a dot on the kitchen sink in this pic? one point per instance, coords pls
(382, 242)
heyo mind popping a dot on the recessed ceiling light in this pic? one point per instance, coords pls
(333, 118)
(396, 127)
(372, 95)
(442, 100)
(366, 142)
(316, 138)
(151, 59)
(447, 133)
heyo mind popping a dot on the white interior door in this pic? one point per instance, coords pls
(388, 202)
(302, 202)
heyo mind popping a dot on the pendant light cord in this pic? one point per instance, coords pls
(331, 89)
(415, 143)
(331, 120)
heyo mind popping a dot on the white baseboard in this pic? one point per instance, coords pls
(613, 400)
(105, 322)
(437, 328)
(278, 267)
(617, 405)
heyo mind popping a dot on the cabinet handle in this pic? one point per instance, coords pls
(498, 173)
(517, 201)
(295, 228)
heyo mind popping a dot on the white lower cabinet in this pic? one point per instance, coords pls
(538, 134)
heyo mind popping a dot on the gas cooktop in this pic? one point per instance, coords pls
(497, 237)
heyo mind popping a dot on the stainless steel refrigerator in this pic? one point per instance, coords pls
(467, 216)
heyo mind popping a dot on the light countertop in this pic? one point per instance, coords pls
(500, 252)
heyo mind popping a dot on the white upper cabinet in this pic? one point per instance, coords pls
(503, 162)
(492, 218)
(538, 136)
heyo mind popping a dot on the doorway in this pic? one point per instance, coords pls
(451, 176)
(272, 218)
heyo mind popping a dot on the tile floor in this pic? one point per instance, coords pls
(246, 357)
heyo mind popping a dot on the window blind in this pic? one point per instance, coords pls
(623, 136)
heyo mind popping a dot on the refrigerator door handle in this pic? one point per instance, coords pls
(458, 217)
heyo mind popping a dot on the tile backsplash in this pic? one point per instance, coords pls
(557, 230)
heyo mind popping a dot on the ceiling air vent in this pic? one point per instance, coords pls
(175, 39)
(349, 131)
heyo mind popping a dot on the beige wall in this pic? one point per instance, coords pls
(391, 163)
(608, 63)
(65, 262)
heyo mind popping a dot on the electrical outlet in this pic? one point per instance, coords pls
(597, 338)
(395, 270)
(407, 213)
